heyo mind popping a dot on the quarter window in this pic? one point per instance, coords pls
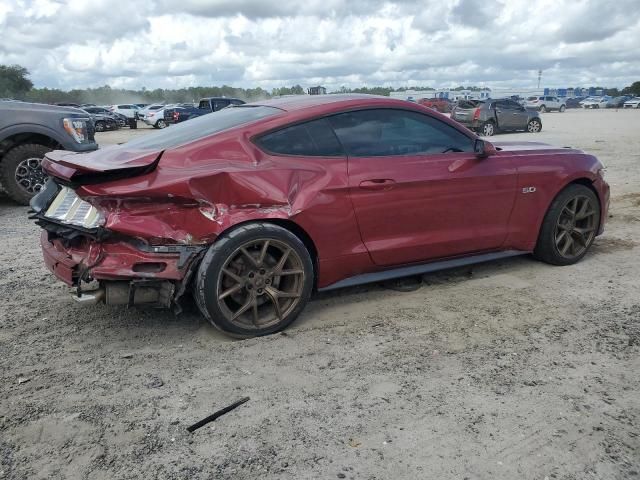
(387, 132)
(314, 139)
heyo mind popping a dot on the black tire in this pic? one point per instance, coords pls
(20, 172)
(100, 126)
(160, 124)
(542, 109)
(547, 248)
(562, 108)
(210, 279)
(534, 125)
(488, 129)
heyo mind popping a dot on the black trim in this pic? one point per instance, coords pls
(419, 269)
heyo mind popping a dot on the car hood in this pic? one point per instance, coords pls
(72, 166)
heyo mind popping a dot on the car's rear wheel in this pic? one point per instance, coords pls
(534, 126)
(160, 124)
(20, 172)
(254, 280)
(562, 108)
(569, 227)
(488, 129)
(542, 109)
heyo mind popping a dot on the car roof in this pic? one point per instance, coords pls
(292, 103)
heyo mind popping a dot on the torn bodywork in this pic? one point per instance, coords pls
(160, 210)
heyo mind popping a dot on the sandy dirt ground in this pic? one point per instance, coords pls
(509, 370)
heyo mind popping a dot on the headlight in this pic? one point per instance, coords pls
(68, 208)
(77, 129)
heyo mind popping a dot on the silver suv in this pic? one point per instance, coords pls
(546, 103)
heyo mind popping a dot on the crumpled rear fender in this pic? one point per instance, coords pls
(194, 203)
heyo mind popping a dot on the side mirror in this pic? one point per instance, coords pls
(483, 149)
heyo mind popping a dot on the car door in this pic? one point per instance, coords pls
(517, 114)
(503, 115)
(418, 190)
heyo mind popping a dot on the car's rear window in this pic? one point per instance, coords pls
(202, 127)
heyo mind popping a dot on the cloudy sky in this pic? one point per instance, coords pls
(271, 43)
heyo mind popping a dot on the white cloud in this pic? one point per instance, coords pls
(268, 43)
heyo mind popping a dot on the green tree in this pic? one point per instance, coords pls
(633, 89)
(14, 81)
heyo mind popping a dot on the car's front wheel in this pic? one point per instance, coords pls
(254, 280)
(542, 109)
(562, 108)
(534, 126)
(569, 227)
(100, 126)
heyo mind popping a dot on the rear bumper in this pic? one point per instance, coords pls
(113, 261)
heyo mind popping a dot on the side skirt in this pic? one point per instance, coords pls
(419, 269)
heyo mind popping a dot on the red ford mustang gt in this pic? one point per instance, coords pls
(252, 208)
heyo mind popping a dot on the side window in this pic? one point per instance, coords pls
(388, 132)
(237, 102)
(204, 104)
(314, 139)
(511, 105)
(220, 104)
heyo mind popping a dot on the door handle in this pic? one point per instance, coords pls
(377, 184)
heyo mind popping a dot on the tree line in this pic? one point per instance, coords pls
(15, 83)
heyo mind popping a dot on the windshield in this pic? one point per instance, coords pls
(202, 127)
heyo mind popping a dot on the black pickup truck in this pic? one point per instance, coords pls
(213, 104)
(27, 132)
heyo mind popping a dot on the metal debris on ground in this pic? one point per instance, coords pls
(217, 414)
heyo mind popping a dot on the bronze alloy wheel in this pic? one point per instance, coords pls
(576, 226)
(260, 284)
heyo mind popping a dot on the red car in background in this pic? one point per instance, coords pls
(253, 208)
(442, 105)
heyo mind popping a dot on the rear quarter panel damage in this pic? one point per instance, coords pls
(192, 197)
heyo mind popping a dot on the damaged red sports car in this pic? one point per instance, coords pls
(252, 208)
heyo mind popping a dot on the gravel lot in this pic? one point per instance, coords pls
(509, 370)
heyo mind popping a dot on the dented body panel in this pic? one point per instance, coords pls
(188, 195)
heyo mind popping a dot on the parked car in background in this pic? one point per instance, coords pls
(149, 108)
(65, 104)
(27, 132)
(546, 103)
(595, 102)
(213, 104)
(120, 120)
(253, 208)
(128, 110)
(574, 102)
(442, 105)
(632, 103)
(155, 118)
(617, 102)
(181, 113)
(496, 115)
(102, 122)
